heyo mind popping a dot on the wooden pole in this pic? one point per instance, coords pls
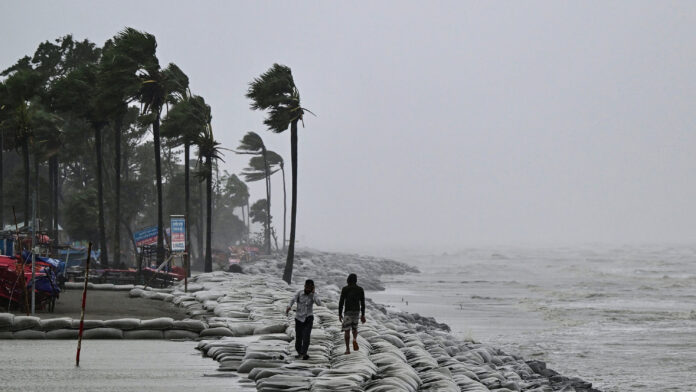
(84, 300)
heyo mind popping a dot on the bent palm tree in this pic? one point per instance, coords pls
(252, 144)
(275, 92)
(274, 159)
(186, 120)
(158, 86)
(259, 169)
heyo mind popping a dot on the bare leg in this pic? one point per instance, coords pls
(355, 340)
(347, 338)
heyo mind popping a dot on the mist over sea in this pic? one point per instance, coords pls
(623, 318)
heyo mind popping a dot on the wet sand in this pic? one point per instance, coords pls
(108, 304)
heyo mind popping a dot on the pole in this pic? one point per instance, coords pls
(33, 256)
(67, 258)
(84, 300)
(186, 255)
(21, 257)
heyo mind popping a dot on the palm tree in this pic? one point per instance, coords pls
(274, 159)
(77, 93)
(157, 87)
(186, 120)
(252, 144)
(21, 85)
(121, 59)
(237, 192)
(275, 91)
(209, 151)
(259, 214)
(260, 168)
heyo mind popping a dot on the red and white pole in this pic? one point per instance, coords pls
(84, 301)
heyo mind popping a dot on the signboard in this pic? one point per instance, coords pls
(178, 233)
(147, 236)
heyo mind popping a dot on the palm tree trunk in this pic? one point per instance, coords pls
(201, 217)
(117, 190)
(287, 274)
(285, 206)
(208, 217)
(267, 232)
(100, 198)
(25, 158)
(248, 222)
(50, 195)
(56, 192)
(158, 174)
(187, 198)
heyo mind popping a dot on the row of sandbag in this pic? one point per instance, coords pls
(31, 327)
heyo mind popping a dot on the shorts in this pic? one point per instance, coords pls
(350, 320)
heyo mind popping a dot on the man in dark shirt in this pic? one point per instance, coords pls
(353, 297)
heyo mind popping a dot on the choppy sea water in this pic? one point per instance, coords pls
(623, 318)
(110, 366)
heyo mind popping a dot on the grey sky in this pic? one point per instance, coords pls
(442, 124)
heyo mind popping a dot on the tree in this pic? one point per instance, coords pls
(237, 192)
(22, 85)
(209, 151)
(252, 144)
(274, 159)
(183, 123)
(275, 92)
(157, 87)
(118, 82)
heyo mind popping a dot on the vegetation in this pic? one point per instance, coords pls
(95, 123)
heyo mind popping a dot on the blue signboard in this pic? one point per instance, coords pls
(147, 236)
(178, 233)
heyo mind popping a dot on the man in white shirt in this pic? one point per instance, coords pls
(304, 317)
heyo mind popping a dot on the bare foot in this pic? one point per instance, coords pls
(347, 352)
(355, 346)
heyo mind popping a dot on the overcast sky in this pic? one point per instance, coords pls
(441, 124)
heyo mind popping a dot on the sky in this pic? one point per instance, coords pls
(444, 124)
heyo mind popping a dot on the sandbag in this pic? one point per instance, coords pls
(30, 334)
(136, 293)
(158, 323)
(249, 364)
(88, 324)
(6, 335)
(143, 334)
(56, 323)
(180, 334)
(103, 333)
(218, 331)
(242, 329)
(189, 325)
(6, 321)
(124, 324)
(25, 322)
(102, 286)
(62, 334)
(270, 328)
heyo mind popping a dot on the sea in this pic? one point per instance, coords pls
(621, 317)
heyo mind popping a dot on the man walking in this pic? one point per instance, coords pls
(304, 317)
(353, 297)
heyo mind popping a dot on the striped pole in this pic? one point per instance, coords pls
(84, 300)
